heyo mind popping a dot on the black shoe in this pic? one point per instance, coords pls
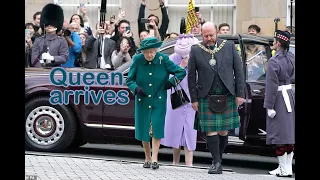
(155, 165)
(216, 168)
(147, 164)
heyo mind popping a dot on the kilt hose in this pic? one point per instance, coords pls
(208, 121)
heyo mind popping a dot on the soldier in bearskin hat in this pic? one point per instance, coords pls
(279, 102)
(50, 50)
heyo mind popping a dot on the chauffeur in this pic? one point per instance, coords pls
(50, 49)
(148, 79)
(279, 102)
(216, 86)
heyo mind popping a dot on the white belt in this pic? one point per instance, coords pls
(285, 95)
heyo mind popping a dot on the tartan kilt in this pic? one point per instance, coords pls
(208, 121)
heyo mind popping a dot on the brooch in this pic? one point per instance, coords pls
(160, 58)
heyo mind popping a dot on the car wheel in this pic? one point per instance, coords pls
(77, 143)
(48, 127)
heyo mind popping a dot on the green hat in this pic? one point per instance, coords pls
(150, 42)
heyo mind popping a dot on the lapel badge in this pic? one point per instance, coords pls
(160, 58)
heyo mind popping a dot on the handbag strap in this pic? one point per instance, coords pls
(175, 86)
(177, 82)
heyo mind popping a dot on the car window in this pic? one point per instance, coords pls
(292, 49)
(238, 48)
(168, 51)
(256, 61)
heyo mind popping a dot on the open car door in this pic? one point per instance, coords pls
(255, 54)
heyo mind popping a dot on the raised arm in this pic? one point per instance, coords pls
(165, 22)
(141, 26)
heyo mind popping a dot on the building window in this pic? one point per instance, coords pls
(71, 7)
(289, 13)
(217, 11)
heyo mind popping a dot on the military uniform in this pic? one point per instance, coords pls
(58, 47)
(50, 47)
(279, 102)
(151, 76)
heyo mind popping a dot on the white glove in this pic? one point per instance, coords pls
(47, 57)
(107, 66)
(271, 113)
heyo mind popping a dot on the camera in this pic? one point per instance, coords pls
(66, 32)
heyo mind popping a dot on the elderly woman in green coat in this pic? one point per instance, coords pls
(148, 80)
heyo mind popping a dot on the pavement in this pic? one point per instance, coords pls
(42, 166)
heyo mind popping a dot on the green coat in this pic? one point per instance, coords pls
(151, 77)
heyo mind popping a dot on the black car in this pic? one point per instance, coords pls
(56, 128)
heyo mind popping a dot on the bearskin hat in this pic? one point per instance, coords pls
(52, 14)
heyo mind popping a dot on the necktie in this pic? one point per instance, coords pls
(212, 47)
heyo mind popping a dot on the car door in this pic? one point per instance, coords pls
(118, 118)
(256, 54)
(91, 113)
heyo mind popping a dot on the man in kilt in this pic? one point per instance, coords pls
(216, 85)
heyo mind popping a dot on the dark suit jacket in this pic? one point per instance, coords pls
(200, 73)
(92, 60)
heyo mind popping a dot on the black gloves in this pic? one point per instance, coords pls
(89, 31)
(139, 91)
(168, 85)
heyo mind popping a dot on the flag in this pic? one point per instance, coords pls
(191, 16)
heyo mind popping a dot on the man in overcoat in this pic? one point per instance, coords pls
(50, 50)
(107, 47)
(148, 79)
(279, 102)
(216, 85)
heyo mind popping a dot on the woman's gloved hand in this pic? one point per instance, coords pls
(168, 85)
(139, 91)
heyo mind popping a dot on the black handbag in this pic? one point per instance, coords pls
(179, 98)
(218, 103)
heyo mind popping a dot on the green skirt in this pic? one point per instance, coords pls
(208, 121)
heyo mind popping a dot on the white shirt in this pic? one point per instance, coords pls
(102, 61)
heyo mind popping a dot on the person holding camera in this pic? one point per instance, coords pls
(121, 55)
(50, 50)
(74, 42)
(124, 30)
(94, 49)
(153, 21)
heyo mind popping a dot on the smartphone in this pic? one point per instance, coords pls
(27, 33)
(128, 28)
(144, 20)
(197, 9)
(112, 19)
(151, 33)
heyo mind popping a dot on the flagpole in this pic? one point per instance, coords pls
(291, 16)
